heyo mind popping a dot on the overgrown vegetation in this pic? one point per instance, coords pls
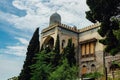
(46, 69)
(51, 65)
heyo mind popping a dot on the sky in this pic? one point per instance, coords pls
(20, 18)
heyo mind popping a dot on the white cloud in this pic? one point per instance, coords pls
(22, 40)
(39, 11)
(14, 50)
(18, 49)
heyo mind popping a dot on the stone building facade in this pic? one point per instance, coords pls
(89, 52)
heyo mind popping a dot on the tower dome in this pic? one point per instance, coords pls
(55, 18)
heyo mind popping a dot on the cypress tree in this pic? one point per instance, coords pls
(57, 45)
(69, 53)
(103, 11)
(32, 49)
(57, 57)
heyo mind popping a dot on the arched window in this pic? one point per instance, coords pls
(93, 68)
(63, 44)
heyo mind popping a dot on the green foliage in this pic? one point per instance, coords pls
(93, 75)
(41, 69)
(117, 34)
(116, 63)
(64, 72)
(13, 78)
(102, 11)
(45, 67)
(32, 49)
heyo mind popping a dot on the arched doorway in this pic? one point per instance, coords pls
(49, 42)
(84, 69)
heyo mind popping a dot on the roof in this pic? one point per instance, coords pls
(88, 40)
(55, 17)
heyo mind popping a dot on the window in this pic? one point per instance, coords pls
(88, 49)
(92, 48)
(83, 50)
(63, 44)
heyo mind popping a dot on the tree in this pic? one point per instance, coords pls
(103, 11)
(47, 60)
(13, 78)
(66, 69)
(64, 72)
(57, 45)
(69, 53)
(32, 50)
(42, 68)
(117, 34)
(57, 57)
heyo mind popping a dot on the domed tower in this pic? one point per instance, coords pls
(55, 18)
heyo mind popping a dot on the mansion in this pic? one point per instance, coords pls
(89, 52)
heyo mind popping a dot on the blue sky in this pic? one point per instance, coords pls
(19, 19)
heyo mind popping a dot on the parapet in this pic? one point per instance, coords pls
(74, 28)
(96, 25)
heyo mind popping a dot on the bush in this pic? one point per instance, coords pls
(93, 75)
